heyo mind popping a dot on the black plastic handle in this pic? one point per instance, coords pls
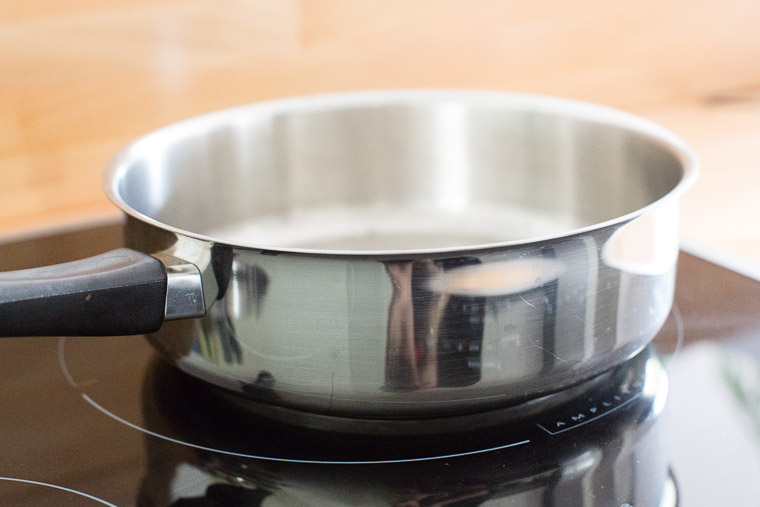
(120, 292)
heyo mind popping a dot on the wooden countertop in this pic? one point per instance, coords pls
(80, 79)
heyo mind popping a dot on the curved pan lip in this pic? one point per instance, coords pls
(647, 129)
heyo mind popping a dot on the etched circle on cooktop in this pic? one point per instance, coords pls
(18, 491)
(122, 378)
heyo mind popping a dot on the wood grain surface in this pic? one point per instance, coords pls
(79, 79)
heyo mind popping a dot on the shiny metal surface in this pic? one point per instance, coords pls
(410, 254)
(184, 289)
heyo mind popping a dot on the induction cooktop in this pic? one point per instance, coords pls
(103, 421)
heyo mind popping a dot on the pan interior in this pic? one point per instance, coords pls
(382, 226)
(393, 175)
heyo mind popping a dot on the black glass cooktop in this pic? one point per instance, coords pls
(102, 421)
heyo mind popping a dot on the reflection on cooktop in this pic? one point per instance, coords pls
(606, 438)
(203, 442)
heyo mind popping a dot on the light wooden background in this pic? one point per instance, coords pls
(81, 78)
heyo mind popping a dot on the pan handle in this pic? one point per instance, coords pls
(120, 292)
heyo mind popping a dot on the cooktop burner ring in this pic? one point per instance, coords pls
(294, 460)
(58, 488)
(81, 385)
(96, 384)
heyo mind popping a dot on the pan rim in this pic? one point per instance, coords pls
(646, 129)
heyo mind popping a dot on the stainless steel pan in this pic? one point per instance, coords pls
(383, 254)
